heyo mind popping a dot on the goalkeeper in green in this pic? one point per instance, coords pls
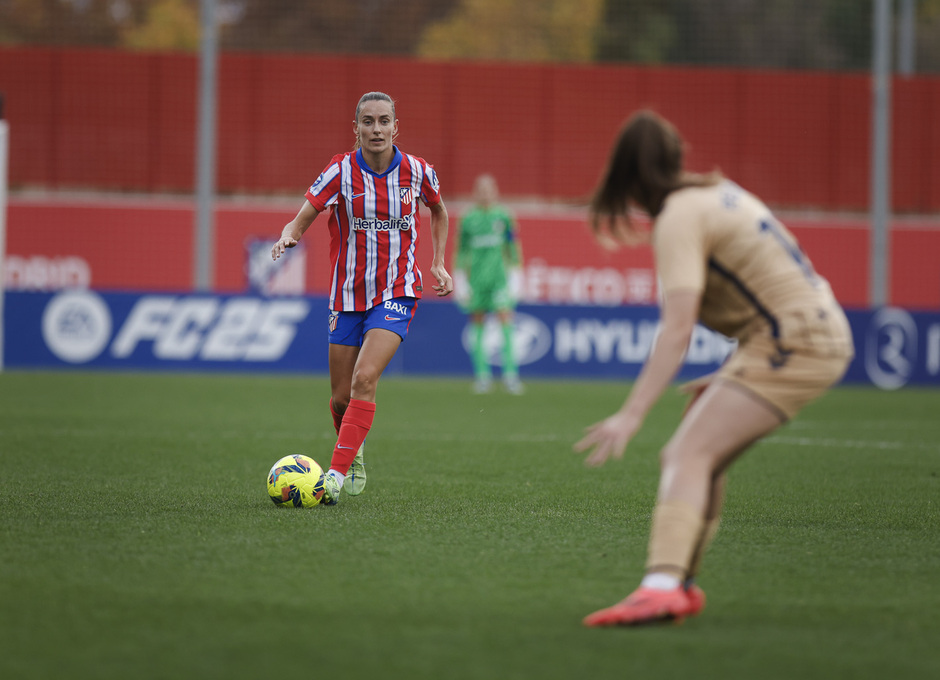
(488, 276)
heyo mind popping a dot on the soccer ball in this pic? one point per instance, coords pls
(296, 481)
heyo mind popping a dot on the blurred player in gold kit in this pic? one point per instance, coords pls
(723, 259)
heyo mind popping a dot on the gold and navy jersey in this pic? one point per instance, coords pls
(726, 244)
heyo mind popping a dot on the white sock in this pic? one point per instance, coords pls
(660, 581)
(338, 476)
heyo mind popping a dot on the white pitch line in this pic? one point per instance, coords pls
(850, 444)
(442, 437)
(878, 425)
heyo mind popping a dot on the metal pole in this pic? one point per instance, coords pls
(204, 232)
(907, 37)
(4, 155)
(880, 256)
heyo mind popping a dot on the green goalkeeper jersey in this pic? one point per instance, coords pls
(487, 246)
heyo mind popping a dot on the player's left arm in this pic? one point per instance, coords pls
(462, 251)
(512, 256)
(445, 284)
(461, 262)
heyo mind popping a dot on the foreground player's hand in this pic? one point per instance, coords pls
(445, 284)
(607, 439)
(282, 244)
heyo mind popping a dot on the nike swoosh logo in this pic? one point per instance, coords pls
(392, 318)
(358, 195)
(348, 448)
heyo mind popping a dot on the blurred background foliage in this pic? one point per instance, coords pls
(784, 34)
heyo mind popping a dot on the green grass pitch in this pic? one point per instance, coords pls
(137, 539)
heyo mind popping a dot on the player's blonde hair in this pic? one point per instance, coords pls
(372, 97)
(644, 168)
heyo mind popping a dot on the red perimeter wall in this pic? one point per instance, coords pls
(113, 120)
(147, 245)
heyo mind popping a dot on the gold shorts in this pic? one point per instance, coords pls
(785, 380)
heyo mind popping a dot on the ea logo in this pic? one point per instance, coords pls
(531, 340)
(76, 326)
(890, 348)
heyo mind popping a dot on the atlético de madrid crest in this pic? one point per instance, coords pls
(406, 194)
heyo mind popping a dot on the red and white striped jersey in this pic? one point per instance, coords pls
(374, 227)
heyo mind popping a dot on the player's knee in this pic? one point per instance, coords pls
(340, 402)
(364, 381)
(679, 455)
(668, 457)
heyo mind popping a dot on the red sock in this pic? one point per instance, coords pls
(357, 421)
(337, 417)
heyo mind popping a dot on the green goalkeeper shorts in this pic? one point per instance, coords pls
(490, 299)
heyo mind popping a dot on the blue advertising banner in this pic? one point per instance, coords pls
(195, 332)
(164, 332)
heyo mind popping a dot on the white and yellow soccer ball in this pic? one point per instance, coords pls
(296, 481)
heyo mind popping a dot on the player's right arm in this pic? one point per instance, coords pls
(462, 289)
(609, 438)
(462, 255)
(294, 229)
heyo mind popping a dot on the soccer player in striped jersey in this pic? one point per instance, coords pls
(372, 194)
(723, 259)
